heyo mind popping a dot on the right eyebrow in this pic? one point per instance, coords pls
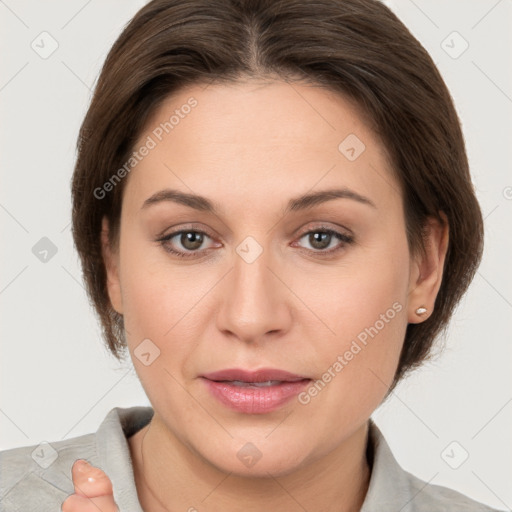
(192, 200)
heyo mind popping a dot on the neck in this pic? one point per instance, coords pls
(170, 477)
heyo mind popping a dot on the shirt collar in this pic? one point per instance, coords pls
(389, 489)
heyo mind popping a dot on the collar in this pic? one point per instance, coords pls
(390, 489)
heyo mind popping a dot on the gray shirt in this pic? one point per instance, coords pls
(38, 477)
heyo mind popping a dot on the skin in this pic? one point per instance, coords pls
(93, 490)
(291, 308)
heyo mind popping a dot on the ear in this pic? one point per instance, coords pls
(111, 261)
(427, 269)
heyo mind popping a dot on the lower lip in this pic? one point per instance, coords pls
(255, 400)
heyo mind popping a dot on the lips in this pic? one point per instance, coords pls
(262, 375)
(254, 392)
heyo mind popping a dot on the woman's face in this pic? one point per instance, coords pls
(296, 259)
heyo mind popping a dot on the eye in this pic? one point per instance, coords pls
(189, 239)
(326, 240)
(190, 243)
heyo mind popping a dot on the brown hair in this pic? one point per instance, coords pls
(357, 48)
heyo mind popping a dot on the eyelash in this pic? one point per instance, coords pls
(345, 239)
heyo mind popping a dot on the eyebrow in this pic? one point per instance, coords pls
(303, 202)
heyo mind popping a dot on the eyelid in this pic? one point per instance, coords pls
(319, 226)
(169, 231)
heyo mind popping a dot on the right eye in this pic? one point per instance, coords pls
(190, 240)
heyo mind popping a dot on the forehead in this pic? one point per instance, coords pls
(267, 112)
(258, 137)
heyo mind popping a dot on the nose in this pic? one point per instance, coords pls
(255, 304)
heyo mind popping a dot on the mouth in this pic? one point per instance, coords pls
(254, 392)
(243, 384)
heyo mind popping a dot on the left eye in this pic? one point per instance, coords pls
(321, 239)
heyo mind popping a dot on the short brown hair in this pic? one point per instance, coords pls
(357, 48)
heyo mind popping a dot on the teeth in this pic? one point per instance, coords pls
(255, 384)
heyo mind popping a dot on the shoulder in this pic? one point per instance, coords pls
(393, 488)
(39, 476)
(430, 497)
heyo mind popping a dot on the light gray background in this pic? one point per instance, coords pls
(57, 380)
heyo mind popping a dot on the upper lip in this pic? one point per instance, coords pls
(261, 375)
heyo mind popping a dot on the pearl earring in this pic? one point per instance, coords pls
(421, 311)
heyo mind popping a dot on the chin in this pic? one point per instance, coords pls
(248, 461)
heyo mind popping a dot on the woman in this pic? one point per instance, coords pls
(275, 218)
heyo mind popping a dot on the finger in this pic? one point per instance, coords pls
(90, 481)
(76, 503)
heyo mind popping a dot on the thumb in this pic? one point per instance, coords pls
(90, 481)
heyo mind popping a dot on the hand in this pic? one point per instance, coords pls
(93, 490)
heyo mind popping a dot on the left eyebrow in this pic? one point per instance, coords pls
(309, 200)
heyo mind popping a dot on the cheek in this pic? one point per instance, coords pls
(370, 288)
(150, 291)
(156, 312)
(365, 309)
(150, 308)
(163, 304)
(147, 311)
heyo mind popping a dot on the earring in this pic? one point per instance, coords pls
(421, 311)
